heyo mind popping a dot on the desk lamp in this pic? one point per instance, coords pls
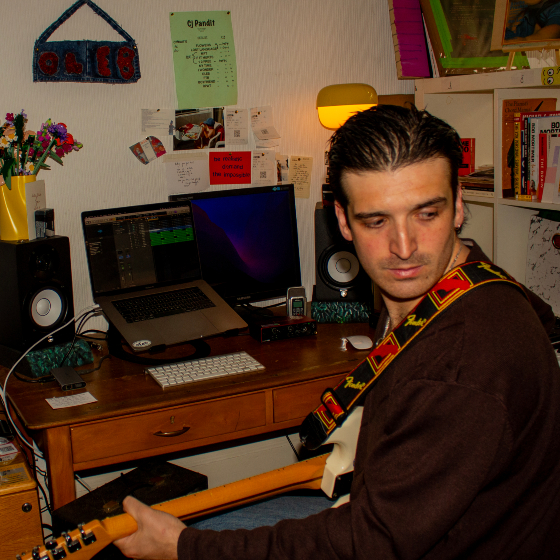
(335, 104)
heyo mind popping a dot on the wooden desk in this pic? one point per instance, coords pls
(134, 418)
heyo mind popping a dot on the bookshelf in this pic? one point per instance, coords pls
(473, 105)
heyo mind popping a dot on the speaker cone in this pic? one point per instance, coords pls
(338, 268)
(47, 308)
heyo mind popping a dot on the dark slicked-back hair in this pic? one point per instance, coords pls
(386, 138)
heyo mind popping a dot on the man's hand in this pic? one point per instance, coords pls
(157, 535)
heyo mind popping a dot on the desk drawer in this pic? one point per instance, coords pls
(137, 433)
(298, 401)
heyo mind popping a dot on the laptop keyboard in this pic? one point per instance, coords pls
(143, 308)
(181, 373)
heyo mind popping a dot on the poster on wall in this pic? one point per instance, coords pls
(203, 58)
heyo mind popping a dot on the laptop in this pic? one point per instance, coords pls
(143, 263)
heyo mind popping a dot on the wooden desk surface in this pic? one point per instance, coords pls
(131, 407)
(122, 388)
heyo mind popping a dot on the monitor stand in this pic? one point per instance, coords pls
(250, 312)
(115, 346)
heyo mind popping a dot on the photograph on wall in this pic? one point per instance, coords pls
(199, 129)
(526, 25)
(461, 36)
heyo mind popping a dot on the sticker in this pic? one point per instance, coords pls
(550, 76)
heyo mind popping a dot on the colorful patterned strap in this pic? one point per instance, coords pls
(337, 403)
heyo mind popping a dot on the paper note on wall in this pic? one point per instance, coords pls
(300, 175)
(186, 172)
(203, 59)
(262, 123)
(237, 127)
(283, 166)
(264, 168)
(158, 121)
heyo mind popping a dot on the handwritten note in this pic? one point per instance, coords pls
(204, 59)
(300, 175)
(186, 172)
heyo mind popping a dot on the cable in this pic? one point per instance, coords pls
(293, 448)
(82, 482)
(84, 319)
(33, 445)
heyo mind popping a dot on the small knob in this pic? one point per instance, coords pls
(27, 507)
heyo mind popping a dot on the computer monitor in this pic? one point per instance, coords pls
(248, 242)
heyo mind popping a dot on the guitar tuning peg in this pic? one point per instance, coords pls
(88, 538)
(57, 552)
(71, 545)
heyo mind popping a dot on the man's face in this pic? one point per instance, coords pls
(402, 225)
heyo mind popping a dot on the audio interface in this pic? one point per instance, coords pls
(266, 329)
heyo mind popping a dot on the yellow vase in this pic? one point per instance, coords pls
(13, 210)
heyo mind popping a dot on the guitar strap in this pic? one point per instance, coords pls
(337, 403)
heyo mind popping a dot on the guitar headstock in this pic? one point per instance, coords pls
(80, 544)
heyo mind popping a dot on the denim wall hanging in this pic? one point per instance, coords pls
(108, 62)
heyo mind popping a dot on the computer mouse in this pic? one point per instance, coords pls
(360, 341)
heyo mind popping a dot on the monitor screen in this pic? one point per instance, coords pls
(247, 240)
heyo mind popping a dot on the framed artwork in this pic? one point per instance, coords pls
(461, 35)
(525, 25)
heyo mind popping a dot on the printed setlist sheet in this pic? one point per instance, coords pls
(204, 59)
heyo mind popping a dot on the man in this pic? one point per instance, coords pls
(458, 453)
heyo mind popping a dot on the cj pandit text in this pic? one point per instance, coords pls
(195, 23)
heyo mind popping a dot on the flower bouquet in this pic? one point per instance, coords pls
(23, 152)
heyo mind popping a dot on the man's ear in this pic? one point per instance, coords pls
(459, 217)
(343, 222)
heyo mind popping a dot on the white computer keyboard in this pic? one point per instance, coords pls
(180, 373)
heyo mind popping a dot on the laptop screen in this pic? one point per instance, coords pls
(140, 246)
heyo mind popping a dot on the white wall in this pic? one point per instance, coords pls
(287, 50)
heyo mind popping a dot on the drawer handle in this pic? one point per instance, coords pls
(173, 434)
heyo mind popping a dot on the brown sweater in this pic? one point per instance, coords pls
(458, 454)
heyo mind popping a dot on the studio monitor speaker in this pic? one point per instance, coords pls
(339, 275)
(35, 292)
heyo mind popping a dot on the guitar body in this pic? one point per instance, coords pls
(317, 473)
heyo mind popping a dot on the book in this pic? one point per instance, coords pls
(555, 159)
(467, 166)
(517, 174)
(409, 40)
(550, 189)
(485, 193)
(479, 183)
(542, 127)
(509, 108)
(528, 153)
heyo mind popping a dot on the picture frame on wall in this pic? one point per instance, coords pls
(461, 35)
(525, 25)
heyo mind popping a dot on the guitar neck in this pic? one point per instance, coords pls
(303, 475)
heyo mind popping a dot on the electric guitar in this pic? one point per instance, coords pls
(322, 472)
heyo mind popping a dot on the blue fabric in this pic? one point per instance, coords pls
(548, 16)
(85, 61)
(266, 513)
